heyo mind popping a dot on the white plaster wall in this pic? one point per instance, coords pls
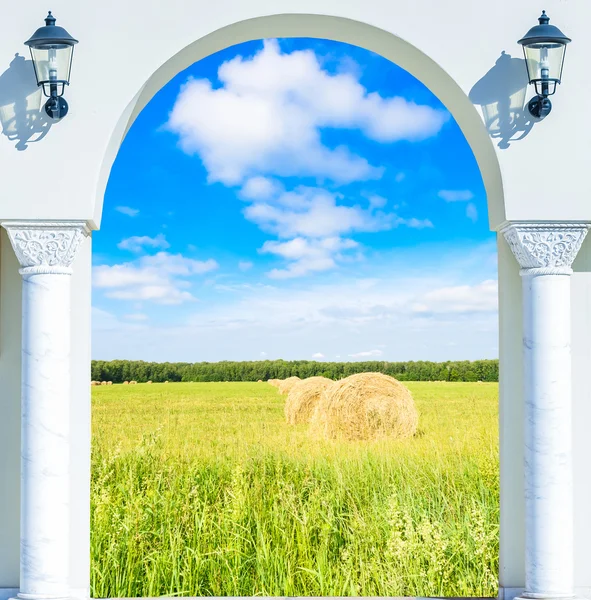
(581, 352)
(10, 393)
(459, 38)
(512, 534)
(80, 421)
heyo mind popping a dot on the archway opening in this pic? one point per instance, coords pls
(310, 201)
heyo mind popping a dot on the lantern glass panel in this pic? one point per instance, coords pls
(544, 65)
(52, 64)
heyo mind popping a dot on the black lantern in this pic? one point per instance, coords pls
(544, 47)
(52, 48)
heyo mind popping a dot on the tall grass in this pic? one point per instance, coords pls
(201, 489)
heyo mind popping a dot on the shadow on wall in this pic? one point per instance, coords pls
(501, 95)
(21, 104)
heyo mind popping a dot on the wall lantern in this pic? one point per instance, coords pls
(544, 47)
(52, 48)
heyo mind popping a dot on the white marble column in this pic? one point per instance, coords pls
(545, 252)
(45, 251)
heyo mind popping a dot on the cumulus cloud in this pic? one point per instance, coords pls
(317, 227)
(259, 188)
(138, 243)
(268, 114)
(127, 210)
(367, 354)
(307, 256)
(314, 212)
(151, 278)
(318, 356)
(462, 299)
(456, 195)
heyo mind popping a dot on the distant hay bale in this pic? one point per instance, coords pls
(366, 406)
(273, 382)
(95, 383)
(109, 383)
(303, 398)
(103, 383)
(166, 382)
(126, 383)
(133, 383)
(286, 384)
(260, 381)
(148, 382)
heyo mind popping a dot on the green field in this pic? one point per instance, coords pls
(201, 489)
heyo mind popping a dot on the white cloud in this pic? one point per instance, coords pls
(315, 224)
(416, 223)
(318, 356)
(245, 265)
(138, 243)
(367, 354)
(472, 212)
(267, 117)
(307, 256)
(136, 317)
(151, 278)
(377, 201)
(315, 213)
(456, 195)
(127, 210)
(460, 299)
(105, 321)
(417, 302)
(259, 188)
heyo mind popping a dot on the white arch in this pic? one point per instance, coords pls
(356, 33)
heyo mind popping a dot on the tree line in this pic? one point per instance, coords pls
(119, 371)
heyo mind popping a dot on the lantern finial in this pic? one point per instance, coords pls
(544, 19)
(49, 19)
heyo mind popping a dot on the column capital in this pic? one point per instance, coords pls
(46, 247)
(545, 248)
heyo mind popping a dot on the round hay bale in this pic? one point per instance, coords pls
(366, 406)
(273, 382)
(286, 384)
(303, 398)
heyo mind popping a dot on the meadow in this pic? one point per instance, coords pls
(202, 489)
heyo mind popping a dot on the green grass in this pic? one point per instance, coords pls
(201, 489)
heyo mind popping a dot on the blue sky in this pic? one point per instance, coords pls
(294, 199)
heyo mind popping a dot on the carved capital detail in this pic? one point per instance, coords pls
(545, 248)
(46, 247)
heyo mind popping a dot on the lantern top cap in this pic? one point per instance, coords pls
(50, 35)
(544, 32)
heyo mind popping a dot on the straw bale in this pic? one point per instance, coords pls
(366, 406)
(286, 384)
(303, 398)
